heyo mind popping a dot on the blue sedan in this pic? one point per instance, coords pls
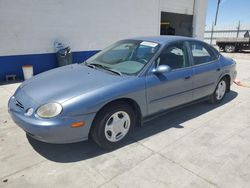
(124, 85)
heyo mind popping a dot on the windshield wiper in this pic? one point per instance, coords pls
(91, 66)
(94, 65)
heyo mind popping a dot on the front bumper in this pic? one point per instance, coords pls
(55, 130)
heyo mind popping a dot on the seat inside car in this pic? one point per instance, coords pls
(174, 61)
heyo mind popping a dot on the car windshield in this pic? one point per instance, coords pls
(125, 57)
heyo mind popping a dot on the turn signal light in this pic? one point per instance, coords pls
(78, 124)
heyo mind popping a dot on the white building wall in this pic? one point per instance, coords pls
(200, 12)
(177, 6)
(31, 26)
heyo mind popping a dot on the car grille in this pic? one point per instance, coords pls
(20, 105)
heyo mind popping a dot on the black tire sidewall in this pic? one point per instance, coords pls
(98, 134)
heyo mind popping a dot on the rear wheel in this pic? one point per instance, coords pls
(220, 91)
(222, 48)
(112, 125)
(230, 48)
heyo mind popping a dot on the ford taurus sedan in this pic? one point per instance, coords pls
(124, 85)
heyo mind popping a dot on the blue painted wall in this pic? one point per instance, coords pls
(41, 62)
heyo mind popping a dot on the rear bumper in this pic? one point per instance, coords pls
(54, 130)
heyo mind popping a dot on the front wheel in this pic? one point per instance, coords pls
(112, 125)
(230, 48)
(219, 92)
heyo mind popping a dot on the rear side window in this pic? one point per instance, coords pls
(201, 53)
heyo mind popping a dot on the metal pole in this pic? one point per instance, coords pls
(212, 33)
(217, 11)
(238, 29)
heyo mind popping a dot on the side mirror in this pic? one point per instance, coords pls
(161, 69)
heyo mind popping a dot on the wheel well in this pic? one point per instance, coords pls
(228, 79)
(128, 101)
(221, 47)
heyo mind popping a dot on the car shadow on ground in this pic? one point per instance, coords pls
(65, 153)
(238, 52)
(244, 52)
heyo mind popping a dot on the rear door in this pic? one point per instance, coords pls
(206, 68)
(173, 88)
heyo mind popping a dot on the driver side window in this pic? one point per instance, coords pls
(174, 55)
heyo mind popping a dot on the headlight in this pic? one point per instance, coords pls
(49, 110)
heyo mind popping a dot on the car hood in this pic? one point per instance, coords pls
(64, 83)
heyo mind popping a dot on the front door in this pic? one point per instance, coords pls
(167, 90)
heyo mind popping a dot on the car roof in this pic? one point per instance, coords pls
(163, 39)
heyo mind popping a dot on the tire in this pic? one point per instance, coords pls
(220, 91)
(222, 48)
(230, 48)
(112, 125)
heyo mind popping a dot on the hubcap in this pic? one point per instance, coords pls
(117, 126)
(230, 48)
(221, 89)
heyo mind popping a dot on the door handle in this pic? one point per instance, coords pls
(218, 69)
(187, 77)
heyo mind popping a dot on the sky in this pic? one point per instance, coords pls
(230, 12)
